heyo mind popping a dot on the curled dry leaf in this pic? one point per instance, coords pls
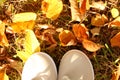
(23, 21)
(75, 10)
(80, 32)
(114, 12)
(115, 41)
(115, 23)
(100, 5)
(99, 20)
(67, 38)
(52, 8)
(91, 46)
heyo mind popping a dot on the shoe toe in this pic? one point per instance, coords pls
(39, 66)
(75, 65)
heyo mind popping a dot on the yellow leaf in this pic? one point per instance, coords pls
(115, 41)
(22, 17)
(90, 46)
(23, 21)
(114, 12)
(52, 8)
(3, 75)
(31, 42)
(31, 46)
(3, 39)
(67, 38)
(23, 55)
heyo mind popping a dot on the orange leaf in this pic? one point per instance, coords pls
(115, 41)
(83, 7)
(99, 20)
(80, 32)
(115, 22)
(67, 38)
(3, 75)
(90, 46)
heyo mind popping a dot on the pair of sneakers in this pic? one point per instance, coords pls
(74, 65)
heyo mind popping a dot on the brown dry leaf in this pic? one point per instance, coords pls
(75, 10)
(115, 41)
(95, 31)
(115, 23)
(116, 74)
(99, 20)
(91, 46)
(67, 38)
(23, 21)
(52, 8)
(80, 32)
(3, 75)
(100, 5)
(3, 39)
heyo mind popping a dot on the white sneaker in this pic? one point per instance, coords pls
(39, 66)
(75, 65)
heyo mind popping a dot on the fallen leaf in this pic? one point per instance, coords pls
(3, 39)
(31, 46)
(115, 22)
(74, 10)
(99, 20)
(115, 41)
(114, 12)
(90, 46)
(23, 21)
(67, 38)
(3, 75)
(52, 8)
(22, 17)
(95, 31)
(84, 5)
(116, 74)
(100, 5)
(80, 32)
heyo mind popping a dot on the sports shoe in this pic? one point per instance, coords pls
(75, 65)
(40, 66)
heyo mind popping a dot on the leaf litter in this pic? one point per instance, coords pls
(73, 25)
